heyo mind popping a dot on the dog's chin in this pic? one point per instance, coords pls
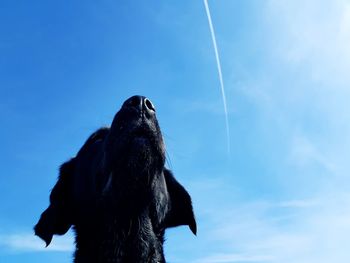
(144, 151)
(140, 147)
(141, 141)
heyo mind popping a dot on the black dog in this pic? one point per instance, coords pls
(117, 193)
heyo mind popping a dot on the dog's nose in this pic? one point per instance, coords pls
(140, 103)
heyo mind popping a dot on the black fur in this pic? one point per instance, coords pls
(117, 194)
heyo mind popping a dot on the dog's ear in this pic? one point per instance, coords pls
(57, 218)
(181, 211)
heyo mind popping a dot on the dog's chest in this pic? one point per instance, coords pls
(132, 241)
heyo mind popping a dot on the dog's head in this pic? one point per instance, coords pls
(125, 161)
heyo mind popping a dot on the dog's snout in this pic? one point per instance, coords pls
(134, 102)
(140, 103)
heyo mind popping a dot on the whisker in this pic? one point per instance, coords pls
(168, 161)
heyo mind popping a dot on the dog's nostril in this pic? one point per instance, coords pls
(149, 105)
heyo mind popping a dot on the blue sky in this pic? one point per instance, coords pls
(280, 195)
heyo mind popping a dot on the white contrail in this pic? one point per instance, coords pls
(219, 71)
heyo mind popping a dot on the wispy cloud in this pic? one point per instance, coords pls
(304, 92)
(304, 153)
(312, 32)
(226, 258)
(301, 87)
(24, 242)
(289, 231)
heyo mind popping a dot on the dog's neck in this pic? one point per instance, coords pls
(134, 240)
(117, 239)
(128, 226)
